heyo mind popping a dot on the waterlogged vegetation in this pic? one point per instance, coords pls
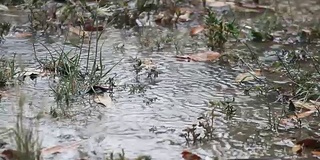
(167, 79)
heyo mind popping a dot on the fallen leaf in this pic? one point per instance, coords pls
(78, 31)
(98, 89)
(306, 144)
(316, 103)
(60, 148)
(10, 154)
(103, 99)
(244, 77)
(201, 57)
(196, 30)
(297, 116)
(186, 155)
(306, 105)
(297, 149)
(316, 153)
(23, 35)
(91, 28)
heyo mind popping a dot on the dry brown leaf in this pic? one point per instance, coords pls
(297, 116)
(196, 30)
(10, 154)
(296, 148)
(186, 155)
(90, 28)
(23, 35)
(306, 105)
(78, 31)
(219, 4)
(103, 99)
(316, 103)
(244, 77)
(201, 57)
(316, 153)
(308, 143)
(60, 148)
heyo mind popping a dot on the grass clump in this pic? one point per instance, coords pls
(218, 31)
(7, 71)
(27, 145)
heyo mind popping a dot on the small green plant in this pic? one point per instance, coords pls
(218, 30)
(76, 76)
(201, 132)
(8, 70)
(121, 156)
(27, 145)
(229, 109)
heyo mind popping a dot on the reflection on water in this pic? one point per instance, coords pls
(182, 91)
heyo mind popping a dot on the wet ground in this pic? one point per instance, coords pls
(182, 92)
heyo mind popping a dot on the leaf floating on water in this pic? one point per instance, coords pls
(60, 148)
(316, 153)
(90, 28)
(297, 116)
(78, 31)
(196, 30)
(103, 99)
(306, 144)
(201, 57)
(10, 154)
(186, 155)
(305, 105)
(244, 77)
(23, 35)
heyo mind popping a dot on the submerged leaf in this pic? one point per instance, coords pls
(103, 99)
(244, 77)
(297, 117)
(78, 31)
(23, 35)
(196, 30)
(201, 57)
(60, 148)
